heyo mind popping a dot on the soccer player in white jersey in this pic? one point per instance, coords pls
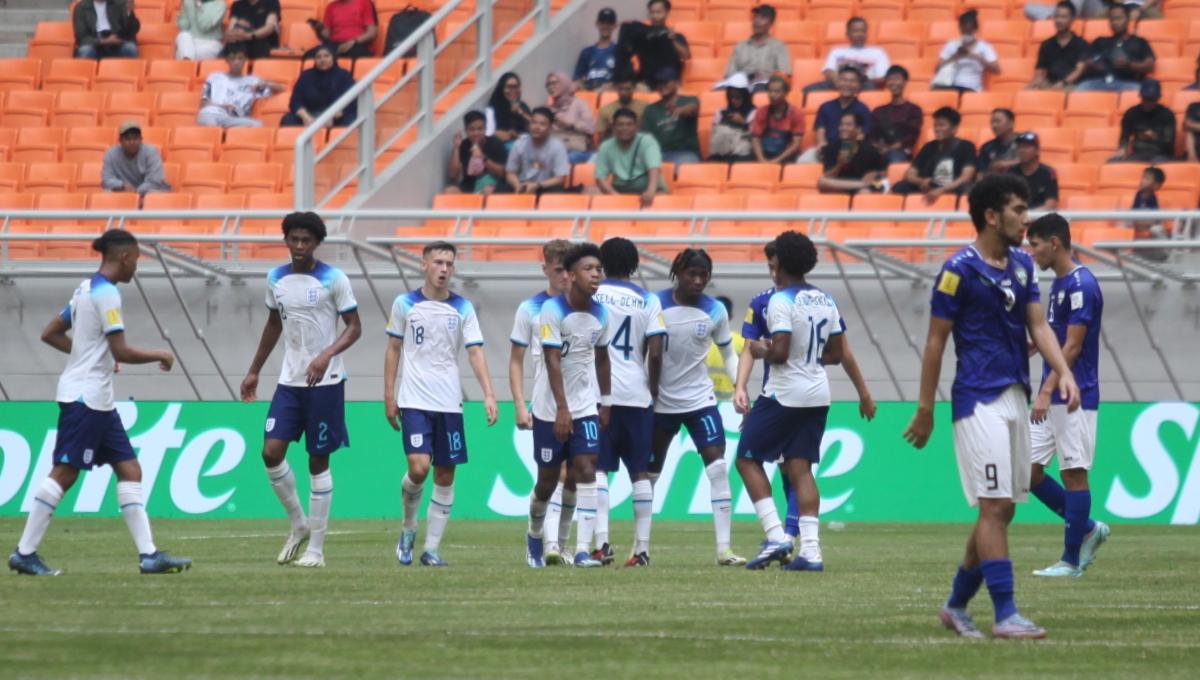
(305, 298)
(526, 333)
(789, 418)
(987, 296)
(566, 420)
(429, 325)
(686, 397)
(635, 354)
(1073, 311)
(90, 432)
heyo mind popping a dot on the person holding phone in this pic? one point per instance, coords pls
(851, 164)
(964, 60)
(105, 28)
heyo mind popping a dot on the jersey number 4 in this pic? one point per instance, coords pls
(620, 339)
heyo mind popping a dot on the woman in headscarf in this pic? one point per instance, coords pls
(318, 88)
(507, 116)
(574, 123)
(730, 141)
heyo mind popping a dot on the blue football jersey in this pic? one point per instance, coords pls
(1076, 300)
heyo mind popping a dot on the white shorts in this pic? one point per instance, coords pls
(993, 450)
(1072, 435)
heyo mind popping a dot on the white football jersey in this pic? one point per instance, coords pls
(432, 331)
(634, 317)
(685, 385)
(576, 334)
(812, 317)
(94, 313)
(527, 329)
(309, 304)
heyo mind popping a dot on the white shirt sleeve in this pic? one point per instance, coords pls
(779, 314)
(489, 125)
(272, 303)
(881, 65)
(551, 326)
(720, 330)
(656, 325)
(108, 307)
(948, 50)
(395, 325)
(471, 334)
(836, 323)
(988, 52)
(521, 325)
(343, 295)
(831, 60)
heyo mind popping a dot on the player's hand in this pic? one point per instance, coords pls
(1041, 406)
(605, 416)
(166, 360)
(741, 401)
(250, 387)
(524, 419)
(493, 411)
(563, 425)
(1069, 391)
(392, 412)
(316, 370)
(866, 408)
(920, 428)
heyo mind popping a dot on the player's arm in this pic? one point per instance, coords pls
(552, 355)
(781, 345)
(741, 399)
(350, 335)
(127, 354)
(270, 336)
(729, 361)
(1047, 344)
(516, 384)
(1074, 345)
(55, 332)
(479, 365)
(921, 426)
(866, 404)
(391, 363)
(604, 379)
(654, 361)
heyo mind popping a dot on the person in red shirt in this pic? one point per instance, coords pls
(778, 126)
(349, 28)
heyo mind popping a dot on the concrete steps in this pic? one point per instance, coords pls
(19, 18)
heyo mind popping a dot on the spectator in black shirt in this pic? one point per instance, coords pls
(999, 154)
(1148, 129)
(1191, 128)
(1041, 178)
(255, 23)
(1120, 62)
(1060, 59)
(851, 164)
(1146, 198)
(656, 46)
(945, 165)
(897, 124)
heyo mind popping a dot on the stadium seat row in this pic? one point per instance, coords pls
(82, 144)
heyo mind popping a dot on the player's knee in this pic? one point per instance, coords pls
(443, 475)
(128, 471)
(584, 469)
(418, 468)
(273, 454)
(1075, 479)
(317, 464)
(1036, 474)
(996, 510)
(64, 476)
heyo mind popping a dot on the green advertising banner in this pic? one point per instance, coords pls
(201, 459)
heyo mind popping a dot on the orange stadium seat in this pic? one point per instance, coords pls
(1097, 145)
(206, 178)
(1058, 144)
(1119, 177)
(1015, 74)
(123, 106)
(27, 109)
(251, 178)
(932, 101)
(800, 178)
(70, 74)
(52, 40)
(165, 75)
(215, 202)
(38, 145)
(1163, 32)
(205, 68)
(41, 178)
(277, 70)
(1076, 177)
(246, 145)
(1090, 109)
(119, 75)
(700, 178)
(20, 74)
(112, 201)
(176, 109)
(878, 202)
(8, 137)
(753, 178)
(1038, 108)
(194, 144)
(12, 176)
(76, 108)
(21, 250)
(88, 176)
(156, 40)
(803, 39)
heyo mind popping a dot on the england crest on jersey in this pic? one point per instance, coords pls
(451, 323)
(701, 329)
(313, 295)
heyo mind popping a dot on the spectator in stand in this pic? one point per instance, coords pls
(1191, 131)
(965, 59)
(507, 115)
(132, 165)
(829, 114)
(105, 28)
(730, 141)
(349, 27)
(999, 154)
(1195, 84)
(200, 29)
(1061, 57)
(478, 163)
(945, 165)
(777, 131)
(1146, 198)
(594, 68)
(1143, 9)
(573, 123)
(761, 55)
(318, 88)
(1119, 62)
(871, 62)
(1148, 128)
(630, 162)
(653, 45)
(672, 120)
(895, 126)
(852, 165)
(1041, 178)
(658, 13)
(227, 98)
(256, 24)
(625, 100)
(537, 163)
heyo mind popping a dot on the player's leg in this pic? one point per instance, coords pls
(583, 449)
(320, 499)
(285, 423)
(325, 432)
(548, 454)
(24, 559)
(612, 441)
(639, 451)
(801, 451)
(418, 440)
(559, 515)
(450, 451)
(151, 560)
(1044, 487)
(791, 523)
(758, 435)
(1082, 535)
(708, 433)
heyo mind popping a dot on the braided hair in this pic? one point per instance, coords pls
(691, 257)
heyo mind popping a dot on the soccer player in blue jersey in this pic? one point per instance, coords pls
(566, 420)
(806, 334)
(90, 432)
(635, 355)
(686, 397)
(987, 296)
(428, 326)
(305, 298)
(526, 333)
(758, 341)
(1073, 311)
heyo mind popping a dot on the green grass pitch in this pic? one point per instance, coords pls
(872, 614)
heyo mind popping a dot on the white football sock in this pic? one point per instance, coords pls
(283, 483)
(810, 544)
(567, 515)
(319, 500)
(553, 513)
(587, 516)
(438, 515)
(722, 501)
(47, 498)
(768, 516)
(654, 479)
(537, 516)
(643, 510)
(601, 508)
(410, 496)
(133, 509)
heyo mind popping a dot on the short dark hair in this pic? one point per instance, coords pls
(993, 193)
(439, 245)
(855, 20)
(625, 112)
(769, 249)
(1069, 6)
(1008, 113)
(1051, 225)
(896, 70)
(847, 68)
(543, 111)
(690, 257)
(787, 85)
(1119, 5)
(305, 220)
(764, 10)
(796, 252)
(949, 115)
(857, 116)
(472, 116)
(233, 48)
(578, 252)
(619, 256)
(969, 17)
(665, 3)
(113, 238)
(1156, 173)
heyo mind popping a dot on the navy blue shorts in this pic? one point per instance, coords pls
(318, 413)
(705, 426)
(773, 430)
(584, 440)
(629, 439)
(435, 434)
(87, 438)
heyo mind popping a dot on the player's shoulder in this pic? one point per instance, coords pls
(763, 297)
(533, 305)
(98, 284)
(460, 304)
(598, 310)
(666, 298)
(1020, 257)
(408, 300)
(960, 260)
(328, 274)
(711, 306)
(278, 273)
(1082, 277)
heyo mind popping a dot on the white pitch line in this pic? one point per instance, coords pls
(260, 535)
